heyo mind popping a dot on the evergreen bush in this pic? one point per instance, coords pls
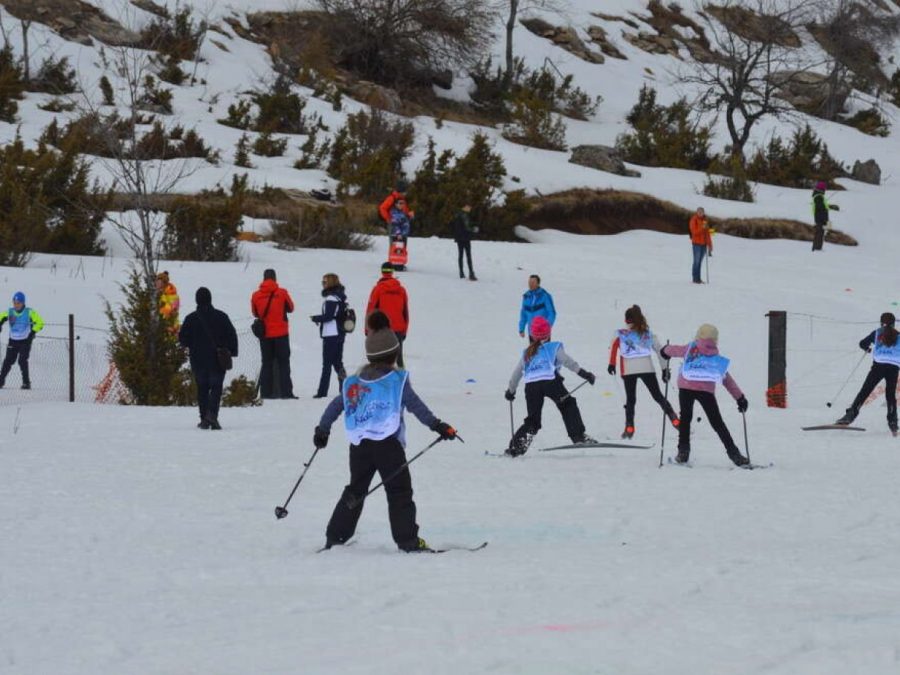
(203, 227)
(11, 84)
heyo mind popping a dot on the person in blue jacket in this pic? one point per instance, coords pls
(885, 347)
(372, 401)
(24, 324)
(535, 302)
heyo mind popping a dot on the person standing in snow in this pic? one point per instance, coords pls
(204, 333)
(331, 330)
(539, 366)
(535, 302)
(701, 242)
(373, 401)
(24, 324)
(885, 366)
(396, 201)
(820, 209)
(463, 231)
(703, 367)
(271, 304)
(389, 296)
(633, 345)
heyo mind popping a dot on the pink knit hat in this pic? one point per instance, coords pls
(821, 185)
(540, 328)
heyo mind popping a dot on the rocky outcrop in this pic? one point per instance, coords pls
(866, 172)
(673, 30)
(755, 27)
(808, 91)
(603, 158)
(375, 95)
(563, 36)
(74, 20)
(601, 39)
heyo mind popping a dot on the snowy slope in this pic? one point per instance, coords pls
(134, 543)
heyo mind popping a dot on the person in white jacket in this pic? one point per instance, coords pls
(633, 347)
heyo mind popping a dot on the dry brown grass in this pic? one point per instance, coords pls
(612, 211)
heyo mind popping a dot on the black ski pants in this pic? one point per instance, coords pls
(401, 337)
(17, 349)
(385, 457)
(332, 359)
(652, 384)
(707, 401)
(535, 393)
(276, 352)
(818, 237)
(209, 392)
(879, 372)
(465, 247)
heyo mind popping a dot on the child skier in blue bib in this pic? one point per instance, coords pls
(372, 402)
(885, 348)
(539, 366)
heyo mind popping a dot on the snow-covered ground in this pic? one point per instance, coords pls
(135, 543)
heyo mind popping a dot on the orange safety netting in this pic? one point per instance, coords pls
(776, 395)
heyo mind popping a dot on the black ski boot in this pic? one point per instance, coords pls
(628, 434)
(519, 444)
(735, 456)
(848, 417)
(892, 419)
(684, 454)
(584, 439)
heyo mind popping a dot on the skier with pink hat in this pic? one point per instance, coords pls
(539, 366)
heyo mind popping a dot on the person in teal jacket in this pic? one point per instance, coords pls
(535, 302)
(24, 324)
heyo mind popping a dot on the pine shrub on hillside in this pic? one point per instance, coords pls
(367, 153)
(54, 77)
(798, 163)
(175, 35)
(11, 85)
(664, 135)
(203, 227)
(48, 204)
(144, 346)
(317, 227)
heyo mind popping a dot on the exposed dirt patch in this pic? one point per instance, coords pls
(612, 211)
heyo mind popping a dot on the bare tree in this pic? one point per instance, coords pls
(756, 56)
(397, 41)
(512, 9)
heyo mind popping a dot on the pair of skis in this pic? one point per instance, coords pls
(445, 549)
(582, 446)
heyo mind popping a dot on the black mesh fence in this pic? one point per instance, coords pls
(94, 378)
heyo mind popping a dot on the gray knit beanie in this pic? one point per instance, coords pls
(381, 341)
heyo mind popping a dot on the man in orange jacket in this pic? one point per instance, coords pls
(390, 297)
(701, 240)
(271, 304)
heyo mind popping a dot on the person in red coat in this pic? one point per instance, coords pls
(390, 297)
(271, 304)
(395, 200)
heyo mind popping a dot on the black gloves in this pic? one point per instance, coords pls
(509, 395)
(587, 375)
(742, 404)
(446, 432)
(611, 369)
(320, 438)
(666, 374)
(31, 336)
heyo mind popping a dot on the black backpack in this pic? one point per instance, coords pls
(346, 318)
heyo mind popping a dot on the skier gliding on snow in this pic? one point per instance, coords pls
(702, 369)
(885, 366)
(24, 324)
(539, 365)
(634, 344)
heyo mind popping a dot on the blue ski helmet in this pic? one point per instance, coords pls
(19, 297)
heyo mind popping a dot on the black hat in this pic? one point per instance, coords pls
(203, 296)
(269, 274)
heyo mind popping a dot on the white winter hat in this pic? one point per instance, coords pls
(708, 332)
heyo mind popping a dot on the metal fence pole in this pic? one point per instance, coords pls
(71, 358)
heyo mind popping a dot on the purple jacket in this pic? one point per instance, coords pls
(708, 348)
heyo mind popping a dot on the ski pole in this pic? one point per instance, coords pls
(356, 501)
(662, 442)
(512, 426)
(746, 442)
(281, 511)
(858, 364)
(707, 267)
(569, 394)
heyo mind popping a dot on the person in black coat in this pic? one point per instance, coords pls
(331, 330)
(202, 332)
(463, 231)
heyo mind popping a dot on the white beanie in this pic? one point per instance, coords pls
(708, 332)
